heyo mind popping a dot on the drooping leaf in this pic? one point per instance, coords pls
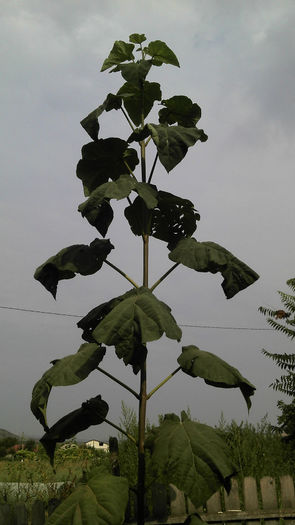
(121, 51)
(93, 318)
(148, 193)
(103, 160)
(172, 142)
(135, 72)
(100, 216)
(170, 220)
(118, 189)
(139, 100)
(139, 134)
(211, 257)
(214, 371)
(161, 53)
(139, 314)
(92, 412)
(180, 110)
(69, 370)
(137, 38)
(91, 124)
(79, 258)
(101, 500)
(133, 353)
(193, 456)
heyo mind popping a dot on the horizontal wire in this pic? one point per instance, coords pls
(183, 325)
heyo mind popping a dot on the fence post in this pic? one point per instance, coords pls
(21, 514)
(5, 514)
(38, 513)
(287, 492)
(177, 501)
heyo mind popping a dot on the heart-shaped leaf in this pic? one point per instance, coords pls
(92, 412)
(79, 258)
(139, 100)
(193, 456)
(172, 142)
(211, 257)
(161, 53)
(137, 313)
(180, 110)
(214, 371)
(101, 500)
(135, 72)
(100, 216)
(69, 370)
(103, 160)
(91, 124)
(137, 38)
(121, 51)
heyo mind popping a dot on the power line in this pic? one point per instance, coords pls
(183, 325)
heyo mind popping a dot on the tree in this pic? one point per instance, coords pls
(283, 321)
(130, 321)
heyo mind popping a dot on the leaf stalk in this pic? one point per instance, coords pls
(118, 381)
(121, 430)
(122, 273)
(164, 276)
(163, 382)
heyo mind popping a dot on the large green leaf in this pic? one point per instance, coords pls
(214, 371)
(139, 100)
(135, 72)
(170, 220)
(91, 124)
(211, 257)
(172, 142)
(92, 412)
(180, 110)
(161, 53)
(69, 370)
(118, 189)
(103, 160)
(121, 51)
(101, 500)
(193, 457)
(79, 258)
(137, 38)
(137, 313)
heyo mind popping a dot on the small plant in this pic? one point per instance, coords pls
(192, 455)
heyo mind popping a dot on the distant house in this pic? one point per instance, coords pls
(98, 445)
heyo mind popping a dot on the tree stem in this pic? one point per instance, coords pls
(164, 276)
(121, 430)
(122, 273)
(117, 381)
(163, 382)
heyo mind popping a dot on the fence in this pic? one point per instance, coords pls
(271, 501)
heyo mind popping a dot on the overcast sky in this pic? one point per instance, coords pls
(237, 63)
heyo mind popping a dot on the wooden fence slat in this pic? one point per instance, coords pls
(268, 493)
(213, 504)
(21, 514)
(38, 512)
(232, 500)
(159, 501)
(250, 495)
(5, 514)
(287, 492)
(177, 501)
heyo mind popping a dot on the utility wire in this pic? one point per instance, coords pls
(183, 325)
